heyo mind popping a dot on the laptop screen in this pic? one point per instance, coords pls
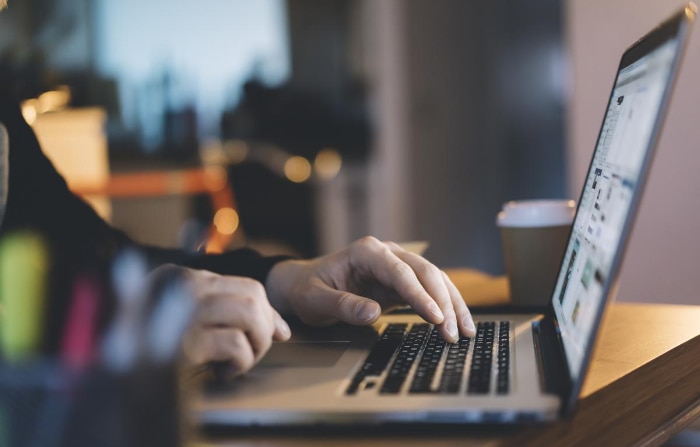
(607, 198)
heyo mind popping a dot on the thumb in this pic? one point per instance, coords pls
(346, 306)
(282, 331)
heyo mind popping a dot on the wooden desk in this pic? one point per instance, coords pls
(643, 387)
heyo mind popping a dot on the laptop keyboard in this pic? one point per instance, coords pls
(415, 356)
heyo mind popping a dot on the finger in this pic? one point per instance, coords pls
(221, 297)
(464, 316)
(248, 313)
(282, 331)
(433, 282)
(380, 262)
(344, 306)
(221, 345)
(226, 309)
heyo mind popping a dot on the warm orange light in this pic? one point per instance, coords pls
(215, 178)
(328, 163)
(226, 221)
(297, 169)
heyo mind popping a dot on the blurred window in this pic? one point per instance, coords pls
(200, 51)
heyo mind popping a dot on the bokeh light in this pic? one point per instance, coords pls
(328, 163)
(226, 221)
(297, 169)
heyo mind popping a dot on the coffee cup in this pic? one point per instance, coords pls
(533, 238)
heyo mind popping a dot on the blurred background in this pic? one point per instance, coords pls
(297, 126)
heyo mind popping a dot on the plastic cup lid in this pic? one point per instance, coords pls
(536, 213)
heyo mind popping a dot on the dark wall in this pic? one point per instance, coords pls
(318, 34)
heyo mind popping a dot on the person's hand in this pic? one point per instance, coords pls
(356, 284)
(234, 323)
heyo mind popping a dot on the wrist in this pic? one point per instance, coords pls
(281, 282)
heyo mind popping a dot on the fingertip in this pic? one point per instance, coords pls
(367, 312)
(281, 336)
(447, 334)
(437, 317)
(468, 327)
(452, 331)
(282, 330)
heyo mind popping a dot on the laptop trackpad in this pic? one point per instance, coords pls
(304, 354)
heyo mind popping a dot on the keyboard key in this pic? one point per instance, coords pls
(503, 365)
(480, 371)
(380, 355)
(454, 367)
(405, 358)
(425, 372)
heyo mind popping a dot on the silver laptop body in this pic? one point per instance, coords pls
(347, 375)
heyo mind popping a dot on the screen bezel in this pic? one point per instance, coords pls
(677, 27)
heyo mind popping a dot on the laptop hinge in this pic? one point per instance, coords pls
(553, 369)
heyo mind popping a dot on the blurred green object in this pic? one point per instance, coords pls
(23, 272)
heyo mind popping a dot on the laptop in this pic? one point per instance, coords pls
(519, 368)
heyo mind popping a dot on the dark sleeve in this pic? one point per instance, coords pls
(39, 199)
